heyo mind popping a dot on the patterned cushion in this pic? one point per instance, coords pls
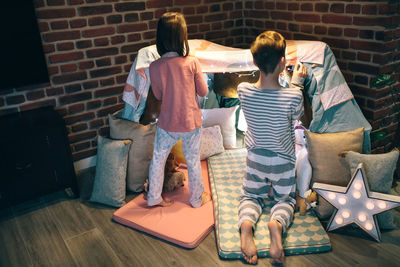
(226, 170)
(110, 180)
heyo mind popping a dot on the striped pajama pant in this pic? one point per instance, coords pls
(163, 143)
(265, 169)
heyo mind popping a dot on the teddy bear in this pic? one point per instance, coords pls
(303, 204)
(173, 179)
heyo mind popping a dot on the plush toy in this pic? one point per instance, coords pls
(172, 178)
(303, 166)
(303, 204)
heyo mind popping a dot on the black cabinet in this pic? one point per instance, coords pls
(35, 157)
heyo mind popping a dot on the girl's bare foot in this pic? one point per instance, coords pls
(165, 203)
(205, 197)
(247, 244)
(275, 233)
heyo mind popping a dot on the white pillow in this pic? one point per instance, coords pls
(211, 142)
(225, 118)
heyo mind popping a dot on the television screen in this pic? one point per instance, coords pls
(23, 61)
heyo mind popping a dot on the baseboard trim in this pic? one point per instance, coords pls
(85, 163)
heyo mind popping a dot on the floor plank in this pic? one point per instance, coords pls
(41, 237)
(91, 249)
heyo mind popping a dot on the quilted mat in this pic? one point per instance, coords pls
(226, 170)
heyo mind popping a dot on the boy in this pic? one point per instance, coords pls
(269, 110)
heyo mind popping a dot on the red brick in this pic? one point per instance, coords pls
(73, 98)
(353, 8)
(93, 104)
(75, 2)
(293, 6)
(370, 9)
(52, 70)
(68, 68)
(107, 82)
(117, 39)
(72, 88)
(95, 10)
(261, 14)
(101, 41)
(121, 78)
(77, 23)
(215, 17)
(321, 7)
(306, 7)
(158, 3)
(229, 6)
(54, 91)
(306, 28)
(101, 52)
(281, 26)
(59, 25)
(348, 55)
(83, 44)
(76, 137)
(76, 108)
(132, 6)
(281, 6)
(55, 13)
(83, 65)
(337, 8)
(364, 56)
(34, 95)
(98, 32)
(152, 34)
(48, 48)
(110, 101)
(216, 34)
(307, 17)
(105, 72)
(370, 46)
(38, 104)
(349, 32)
(43, 26)
(361, 79)
(65, 46)
(38, 3)
(96, 21)
(109, 110)
(337, 43)
(96, 123)
(132, 27)
(336, 19)
(382, 58)
(133, 47)
(114, 19)
(201, 9)
(148, 15)
(55, 2)
(71, 77)
(280, 15)
(364, 68)
(334, 31)
(294, 27)
(82, 146)
(368, 21)
(65, 57)
(103, 62)
(59, 36)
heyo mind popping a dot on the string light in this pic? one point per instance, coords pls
(342, 200)
(356, 194)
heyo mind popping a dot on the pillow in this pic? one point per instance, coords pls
(379, 170)
(225, 118)
(141, 150)
(110, 179)
(327, 166)
(210, 144)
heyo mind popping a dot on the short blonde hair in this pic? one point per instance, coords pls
(172, 34)
(268, 48)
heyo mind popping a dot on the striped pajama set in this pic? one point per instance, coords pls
(270, 143)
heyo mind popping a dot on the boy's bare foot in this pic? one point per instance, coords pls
(275, 233)
(247, 244)
(205, 197)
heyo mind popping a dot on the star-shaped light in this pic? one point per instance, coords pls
(356, 204)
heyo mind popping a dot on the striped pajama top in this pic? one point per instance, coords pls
(269, 116)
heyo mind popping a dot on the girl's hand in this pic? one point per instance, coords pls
(300, 71)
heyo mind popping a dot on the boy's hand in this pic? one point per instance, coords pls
(300, 71)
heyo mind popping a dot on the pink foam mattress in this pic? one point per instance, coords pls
(179, 223)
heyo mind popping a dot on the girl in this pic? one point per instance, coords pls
(176, 80)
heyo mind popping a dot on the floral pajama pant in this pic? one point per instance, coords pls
(163, 143)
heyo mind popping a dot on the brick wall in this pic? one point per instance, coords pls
(364, 36)
(90, 44)
(89, 47)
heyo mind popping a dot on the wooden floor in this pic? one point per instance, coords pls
(56, 230)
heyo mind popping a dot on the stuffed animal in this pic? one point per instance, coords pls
(173, 179)
(303, 204)
(303, 166)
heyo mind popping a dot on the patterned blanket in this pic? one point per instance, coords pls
(306, 235)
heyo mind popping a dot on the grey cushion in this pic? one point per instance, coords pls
(110, 180)
(379, 169)
(141, 150)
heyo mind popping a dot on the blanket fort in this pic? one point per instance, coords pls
(333, 105)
